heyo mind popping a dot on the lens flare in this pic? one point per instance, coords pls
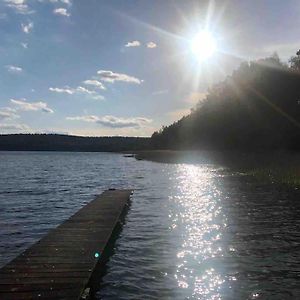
(203, 45)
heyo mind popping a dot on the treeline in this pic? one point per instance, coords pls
(256, 108)
(56, 142)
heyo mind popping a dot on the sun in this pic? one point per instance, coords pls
(203, 45)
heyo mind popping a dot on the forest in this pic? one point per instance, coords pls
(256, 108)
(56, 142)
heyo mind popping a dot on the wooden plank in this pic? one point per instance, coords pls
(24, 270)
(64, 294)
(61, 264)
(38, 287)
(41, 275)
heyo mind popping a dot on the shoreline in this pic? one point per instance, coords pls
(281, 167)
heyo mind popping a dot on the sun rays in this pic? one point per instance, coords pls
(203, 45)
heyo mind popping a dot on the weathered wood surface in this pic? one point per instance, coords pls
(60, 265)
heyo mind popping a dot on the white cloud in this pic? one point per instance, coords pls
(24, 45)
(133, 44)
(68, 2)
(53, 131)
(61, 11)
(92, 119)
(151, 45)
(20, 6)
(112, 121)
(14, 69)
(8, 113)
(26, 28)
(66, 90)
(4, 115)
(9, 127)
(109, 76)
(71, 91)
(95, 83)
(16, 2)
(31, 106)
(79, 90)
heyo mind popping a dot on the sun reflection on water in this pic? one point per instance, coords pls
(200, 224)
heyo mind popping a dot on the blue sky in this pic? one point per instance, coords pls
(124, 67)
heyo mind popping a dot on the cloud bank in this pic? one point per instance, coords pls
(112, 121)
(8, 113)
(31, 106)
(5, 126)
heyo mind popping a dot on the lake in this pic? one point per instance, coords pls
(193, 231)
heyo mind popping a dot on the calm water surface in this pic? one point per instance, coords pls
(192, 232)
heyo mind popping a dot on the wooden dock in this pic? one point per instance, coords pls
(61, 265)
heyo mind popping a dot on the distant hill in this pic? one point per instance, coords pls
(56, 142)
(256, 108)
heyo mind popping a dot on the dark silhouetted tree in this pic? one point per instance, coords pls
(255, 108)
(56, 142)
(295, 61)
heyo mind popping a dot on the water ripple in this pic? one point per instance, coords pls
(192, 232)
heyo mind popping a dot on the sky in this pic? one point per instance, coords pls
(125, 67)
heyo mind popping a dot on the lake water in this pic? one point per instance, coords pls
(192, 232)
